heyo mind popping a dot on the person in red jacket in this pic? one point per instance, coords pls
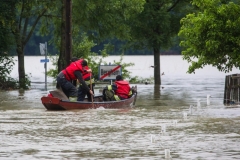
(123, 88)
(74, 71)
(118, 91)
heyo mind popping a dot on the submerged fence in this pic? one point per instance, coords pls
(232, 89)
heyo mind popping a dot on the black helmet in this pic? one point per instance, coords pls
(119, 78)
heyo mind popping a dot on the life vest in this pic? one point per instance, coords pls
(74, 66)
(123, 89)
(86, 76)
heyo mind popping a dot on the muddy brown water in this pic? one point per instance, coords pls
(160, 120)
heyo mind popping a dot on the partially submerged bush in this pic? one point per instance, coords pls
(137, 79)
(6, 66)
(8, 84)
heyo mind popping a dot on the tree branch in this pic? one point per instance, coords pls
(25, 28)
(173, 6)
(34, 25)
(20, 20)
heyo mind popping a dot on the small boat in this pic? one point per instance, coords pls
(57, 100)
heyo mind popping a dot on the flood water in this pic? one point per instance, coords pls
(161, 120)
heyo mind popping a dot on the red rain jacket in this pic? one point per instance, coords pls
(74, 66)
(123, 89)
(86, 75)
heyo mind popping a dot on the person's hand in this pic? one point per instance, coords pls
(89, 70)
(91, 92)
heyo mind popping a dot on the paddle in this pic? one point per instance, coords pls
(91, 87)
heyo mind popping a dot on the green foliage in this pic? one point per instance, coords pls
(54, 71)
(26, 11)
(95, 60)
(24, 83)
(138, 79)
(6, 42)
(6, 19)
(157, 24)
(51, 24)
(27, 82)
(9, 84)
(211, 36)
(105, 18)
(82, 46)
(6, 66)
(155, 27)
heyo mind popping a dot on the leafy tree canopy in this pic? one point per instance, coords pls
(157, 24)
(103, 19)
(211, 36)
(6, 42)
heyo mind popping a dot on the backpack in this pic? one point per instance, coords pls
(109, 94)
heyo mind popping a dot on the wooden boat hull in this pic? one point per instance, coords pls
(55, 103)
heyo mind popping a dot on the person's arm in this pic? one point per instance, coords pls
(88, 70)
(78, 74)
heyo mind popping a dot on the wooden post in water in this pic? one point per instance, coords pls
(232, 89)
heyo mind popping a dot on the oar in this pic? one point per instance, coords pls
(91, 87)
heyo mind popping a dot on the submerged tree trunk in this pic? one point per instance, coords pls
(66, 36)
(157, 91)
(19, 39)
(61, 61)
(157, 75)
(21, 68)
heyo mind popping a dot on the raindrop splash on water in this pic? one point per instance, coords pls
(198, 104)
(191, 109)
(163, 129)
(184, 115)
(208, 100)
(167, 154)
(152, 139)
